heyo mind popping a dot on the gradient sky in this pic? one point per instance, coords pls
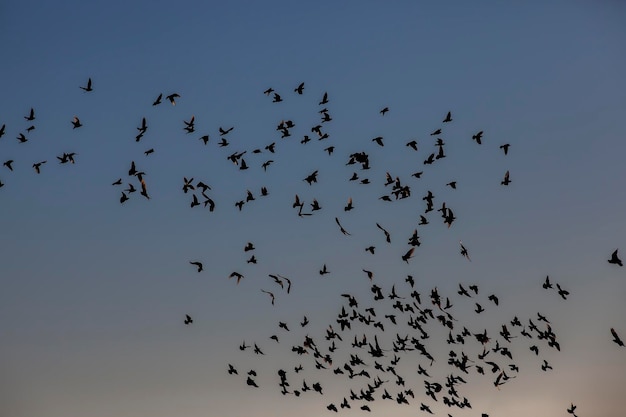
(94, 293)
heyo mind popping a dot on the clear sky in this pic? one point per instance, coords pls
(94, 293)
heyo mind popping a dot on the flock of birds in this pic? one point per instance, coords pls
(377, 344)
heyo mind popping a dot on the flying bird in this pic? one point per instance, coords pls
(172, 98)
(88, 87)
(197, 265)
(614, 259)
(616, 338)
(188, 319)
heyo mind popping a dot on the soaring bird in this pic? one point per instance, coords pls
(547, 283)
(188, 319)
(271, 294)
(197, 264)
(31, 115)
(37, 165)
(384, 110)
(616, 338)
(614, 259)
(88, 87)
(8, 164)
(158, 100)
(505, 148)
(478, 137)
(448, 118)
(387, 235)
(408, 255)
(341, 227)
(299, 89)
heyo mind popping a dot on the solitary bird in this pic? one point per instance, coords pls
(384, 110)
(188, 319)
(615, 260)
(88, 87)
(197, 264)
(616, 338)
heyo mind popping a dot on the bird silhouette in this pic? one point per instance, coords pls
(448, 118)
(172, 98)
(87, 88)
(188, 319)
(616, 338)
(615, 259)
(506, 180)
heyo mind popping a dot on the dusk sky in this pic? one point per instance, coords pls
(94, 293)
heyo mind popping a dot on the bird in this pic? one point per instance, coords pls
(464, 251)
(387, 235)
(88, 87)
(172, 98)
(412, 144)
(299, 89)
(478, 137)
(149, 151)
(572, 409)
(8, 164)
(547, 283)
(21, 138)
(378, 140)
(236, 274)
(563, 293)
(408, 255)
(384, 111)
(616, 338)
(123, 198)
(614, 259)
(158, 100)
(31, 115)
(341, 227)
(506, 180)
(324, 99)
(76, 122)
(448, 118)
(197, 264)
(188, 319)
(452, 185)
(324, 270)
(2, 130)
(505, 148)
(232, 370)
(271, 294)
(37, 166)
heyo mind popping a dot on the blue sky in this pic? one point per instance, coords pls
(94, 293)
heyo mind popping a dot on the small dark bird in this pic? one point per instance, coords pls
(118, 182)
(448, 118)
(251, 382)
(2, 130)
(452, 185)
(324, 270)
(31, 115)
(412, 144)
(417, 174)
(385, 110)
(232, 370)
(408, 255)
(197, 265)
(188, 320)
(493, 298)
(21, 138)
(271, 296)
(8, 164)
(236, 274)
(505, 148)
(123, 198)
(204, 139)
(378, 140)
(563, 293)
(387, 235)
(616, 338)
(324, 99)
(506, 180)
(341, 227)
(300, 89)
(268, 91)
(614, 259)
(436, 132)
(464, 251)
(172, 98)
(149, 151)
(76, 122)
(547, 283)
(88, 87)
(277, 98)
(38, 165)
(477, 137)
(572, 409)
(158, 100)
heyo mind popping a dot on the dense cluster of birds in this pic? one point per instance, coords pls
(378, 344)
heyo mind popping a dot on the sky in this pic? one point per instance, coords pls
(94, 292)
